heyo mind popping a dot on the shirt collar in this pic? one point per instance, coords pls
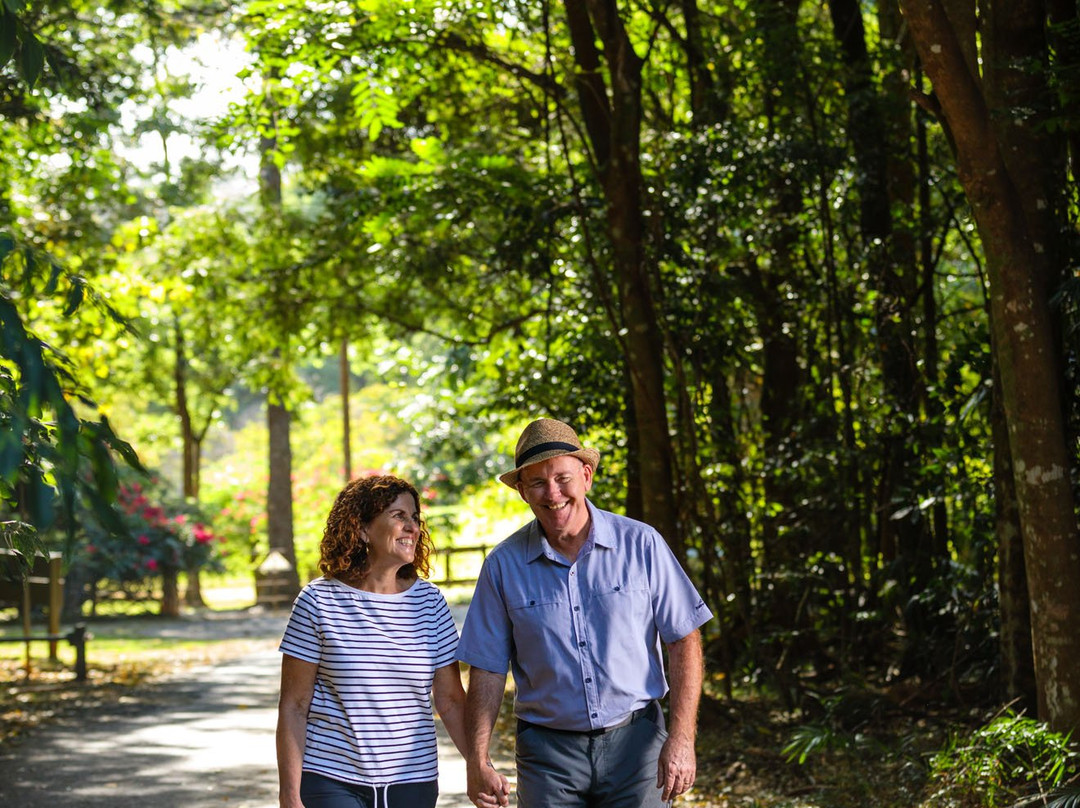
(600, 534)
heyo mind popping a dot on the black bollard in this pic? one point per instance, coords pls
(77, 637)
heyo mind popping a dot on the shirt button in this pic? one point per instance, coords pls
(594, 715)
(581, 645)
(577, 608)
(588, 681)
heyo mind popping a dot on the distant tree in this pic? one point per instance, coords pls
(279, 502)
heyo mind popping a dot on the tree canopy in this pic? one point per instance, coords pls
(803, 271)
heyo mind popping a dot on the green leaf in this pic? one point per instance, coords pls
(7, 37)
(104, 471)
(25, 540)
(41, 501)
(1065, 798)
(11, 453)
(54, 279)
(74, 299)
(105, 512)
(7, 247)
(60, 66)
(123, 448)
(32, 60)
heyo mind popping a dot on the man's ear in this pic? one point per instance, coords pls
(587, 474)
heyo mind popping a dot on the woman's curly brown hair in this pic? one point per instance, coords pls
(342, 552)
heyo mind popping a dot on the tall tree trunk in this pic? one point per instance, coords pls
(1017, 662)
(1016, 54)
(613, 124)
(634, 504)
(187, 432)
(1026, 351)
(170, 591)
(279, 510)
(190, 450)
(706, 101)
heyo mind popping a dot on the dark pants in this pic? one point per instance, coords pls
(615, 768)
(317, 791)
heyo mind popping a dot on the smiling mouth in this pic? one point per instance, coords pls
(558, 507)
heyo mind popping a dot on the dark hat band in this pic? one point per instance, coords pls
(544, 447)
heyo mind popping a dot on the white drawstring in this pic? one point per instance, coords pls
(385, 795)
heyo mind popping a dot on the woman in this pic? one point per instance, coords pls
(366, 647)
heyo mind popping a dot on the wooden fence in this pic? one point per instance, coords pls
(458, 565)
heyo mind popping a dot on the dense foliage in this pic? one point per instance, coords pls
(828, 421)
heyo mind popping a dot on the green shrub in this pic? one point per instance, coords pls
(1013, 760)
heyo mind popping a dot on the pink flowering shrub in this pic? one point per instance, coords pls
(161, 536)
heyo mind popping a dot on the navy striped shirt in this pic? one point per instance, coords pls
(370, 720)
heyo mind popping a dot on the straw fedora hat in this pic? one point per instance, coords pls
(544, 439)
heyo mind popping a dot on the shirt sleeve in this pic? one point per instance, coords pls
(303, 635)
(446, 636)
(487, 636)
(678, 607)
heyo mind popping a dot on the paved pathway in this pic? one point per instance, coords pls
(202, 739)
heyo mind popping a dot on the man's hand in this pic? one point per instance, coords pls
(677, 768)
(487, 788)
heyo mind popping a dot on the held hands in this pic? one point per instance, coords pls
(487, 788)
(677, 768)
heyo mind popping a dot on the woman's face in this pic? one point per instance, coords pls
(393, 534)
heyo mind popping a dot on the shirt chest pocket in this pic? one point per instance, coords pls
(621, 599)
(541, 620)
(630, 586)
(524, 603)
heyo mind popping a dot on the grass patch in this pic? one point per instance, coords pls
(106, 649)
(228, 592)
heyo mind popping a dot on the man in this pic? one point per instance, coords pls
(577, 603)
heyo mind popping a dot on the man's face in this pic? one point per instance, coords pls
(555, 490)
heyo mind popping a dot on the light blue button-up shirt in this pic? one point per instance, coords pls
(582, 638)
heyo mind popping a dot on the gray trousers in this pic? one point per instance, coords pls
(614, 768)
